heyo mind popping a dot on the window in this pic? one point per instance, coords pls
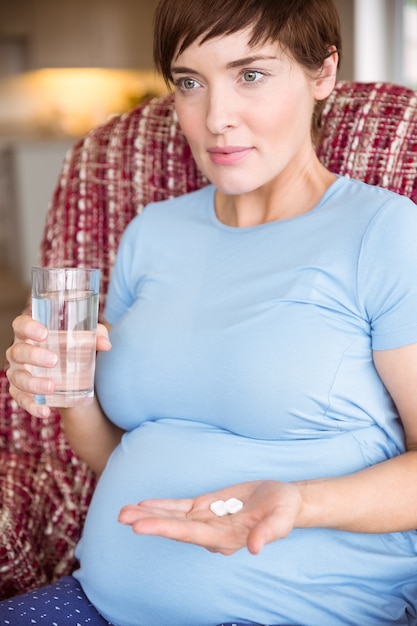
(388, 50)
(410, 43)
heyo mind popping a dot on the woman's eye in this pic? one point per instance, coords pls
(251, 76)
(187, 84)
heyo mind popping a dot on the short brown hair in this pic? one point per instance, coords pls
(305, 28)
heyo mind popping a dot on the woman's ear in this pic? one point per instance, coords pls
(326, 79)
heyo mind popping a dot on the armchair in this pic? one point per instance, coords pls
(369, 132)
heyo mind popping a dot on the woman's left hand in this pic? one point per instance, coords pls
(270, 511)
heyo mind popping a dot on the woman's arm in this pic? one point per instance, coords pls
(379, 499)
(382, 498)
(91, 435)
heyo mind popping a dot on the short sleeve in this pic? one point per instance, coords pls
(126, 273)
(387, 274)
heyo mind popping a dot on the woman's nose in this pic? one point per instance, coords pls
(221, 113)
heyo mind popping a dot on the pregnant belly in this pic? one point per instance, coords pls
(136, 580)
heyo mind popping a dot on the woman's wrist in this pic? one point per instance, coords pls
(312, 513)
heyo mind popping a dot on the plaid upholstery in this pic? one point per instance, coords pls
(369, 132)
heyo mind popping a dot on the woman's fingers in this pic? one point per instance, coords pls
(24, 353)
(21, 356)
(208, 531)
(25, 328)
(27, 403)
(26, 349)
(103, 341)
(171, 509)
(23, 381)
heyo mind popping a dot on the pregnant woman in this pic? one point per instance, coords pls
(263, 350)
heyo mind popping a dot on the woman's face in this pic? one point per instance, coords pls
(245, 111)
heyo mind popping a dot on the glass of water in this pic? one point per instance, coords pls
(65, 300)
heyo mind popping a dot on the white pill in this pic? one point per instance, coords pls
(218, 508)
(233, 505)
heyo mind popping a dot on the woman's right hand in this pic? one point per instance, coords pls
(26, 352)
(23, 354)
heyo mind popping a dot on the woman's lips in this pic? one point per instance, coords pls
(229, 155)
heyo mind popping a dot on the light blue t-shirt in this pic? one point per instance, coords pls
(242, 354)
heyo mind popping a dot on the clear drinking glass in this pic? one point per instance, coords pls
(65, 300)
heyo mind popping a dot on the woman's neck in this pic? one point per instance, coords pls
(282, 198)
